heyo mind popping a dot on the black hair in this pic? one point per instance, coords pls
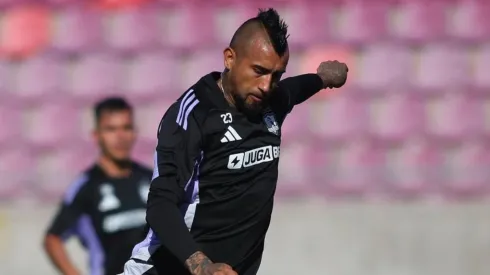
(110, 104)
(276, 29)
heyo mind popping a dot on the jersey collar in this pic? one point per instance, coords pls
(98, 172)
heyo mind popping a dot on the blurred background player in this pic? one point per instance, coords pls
(105, 206)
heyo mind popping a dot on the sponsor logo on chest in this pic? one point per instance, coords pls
(253, 157)
(124, 220)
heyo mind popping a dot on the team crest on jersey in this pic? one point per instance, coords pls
(271, 122)
(109, 199)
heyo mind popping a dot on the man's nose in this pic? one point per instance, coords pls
(265, 83)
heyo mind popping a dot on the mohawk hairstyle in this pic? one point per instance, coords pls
(276, 28)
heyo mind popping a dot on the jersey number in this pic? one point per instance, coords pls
(227, 118)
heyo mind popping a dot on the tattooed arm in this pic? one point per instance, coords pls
(200, 264)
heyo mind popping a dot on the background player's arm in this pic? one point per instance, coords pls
(64, 221)
(58, 255)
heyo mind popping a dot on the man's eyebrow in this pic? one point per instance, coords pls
(260, 67)
(268, 70)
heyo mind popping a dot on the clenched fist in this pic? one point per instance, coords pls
(333, 74)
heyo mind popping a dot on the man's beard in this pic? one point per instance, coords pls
(253, 109)
(120, 162)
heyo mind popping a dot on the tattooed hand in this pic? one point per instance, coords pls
(199, 264)
(333, 74)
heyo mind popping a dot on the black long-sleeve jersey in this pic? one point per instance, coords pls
(215, 174)
(106, 214)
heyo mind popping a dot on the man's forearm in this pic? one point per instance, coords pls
(302, 87)
(56, 251)
(165, 219)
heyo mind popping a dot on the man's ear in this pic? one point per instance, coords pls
(229, 57)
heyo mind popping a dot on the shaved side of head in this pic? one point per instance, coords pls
(266, 25)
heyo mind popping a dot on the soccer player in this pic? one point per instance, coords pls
(216, 162)
(105, 207)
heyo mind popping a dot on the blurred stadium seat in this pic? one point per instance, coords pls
(339, 117)
(417, 95)
(465, 168)
(76, 30)
(93, 75)
(295, 126)
(196, 64)
(54, 169)
(468, 21)
(11, 121)
(148, 119)
(37, 77)
(183, 26)
(454, 116)
(50, 124)
(396, 116)
(348, 168)
(360, 22)
(382, 66)
(294, 180)
(151, 74)
(228, 17)
(143, 152)
(25, 30)
(5, 78)
(411, 168)
(480, 61)
(307, 23)
(441, 66)
(131, 30)
(419, 21)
